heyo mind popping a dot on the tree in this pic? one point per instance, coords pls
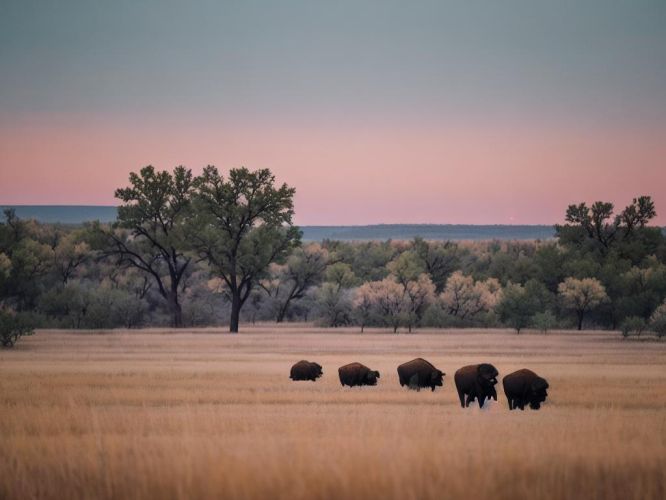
(70, 252)
(241, 226)
(304, 269)
(582, 296)
(633, 325)
(544, 321)
(419, 294)
(12, 327)
(465, 298)
(341, 275)
(334, 305)
(517, 307)
(597, 224)
(658, 320)
(406, 267)
(363, 304)
(438, 259)
(149, 233)
(388, 298)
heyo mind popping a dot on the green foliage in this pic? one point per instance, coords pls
(240, 226)
(633, 325)
(153, 213)
(544, 321)
(334, 305)
(200, 248)
(12, 328)
(439, 260)
(517, 307)
(658, 321)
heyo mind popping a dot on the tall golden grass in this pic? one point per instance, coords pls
(160, 414)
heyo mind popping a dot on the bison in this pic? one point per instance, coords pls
(525, 386)
(306, 370)
(357, 374)
(419, 373)
(476, 382)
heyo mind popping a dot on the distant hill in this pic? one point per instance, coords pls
(65, 214)
(427, 231)
(77, 214)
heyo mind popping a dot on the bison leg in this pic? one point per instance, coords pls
(461, 395)
(470, 398)
(481, 400)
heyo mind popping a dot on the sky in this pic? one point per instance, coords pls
(383, 111)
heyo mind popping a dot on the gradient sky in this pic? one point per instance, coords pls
(376, 111)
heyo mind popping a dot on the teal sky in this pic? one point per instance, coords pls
(206, 68)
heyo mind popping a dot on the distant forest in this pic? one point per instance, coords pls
(189, 251)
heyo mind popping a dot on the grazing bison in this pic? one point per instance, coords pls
(419, 373)
(357, 374)
(306, 370)
(476, 382)
(525, 386)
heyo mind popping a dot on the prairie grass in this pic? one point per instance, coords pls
(204, 414)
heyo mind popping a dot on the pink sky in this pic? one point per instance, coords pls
(345, 173)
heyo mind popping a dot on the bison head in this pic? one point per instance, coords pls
(487, 379)
(538, 393)
(436, 379)
(371, 377)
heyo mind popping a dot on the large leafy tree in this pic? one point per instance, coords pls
(149, 233)
(596, 227)
(241, 225)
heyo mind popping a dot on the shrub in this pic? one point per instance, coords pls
(12, 328)
(658, 321)
(633, 325)
(544, 321)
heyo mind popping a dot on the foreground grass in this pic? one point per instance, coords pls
(160, 414)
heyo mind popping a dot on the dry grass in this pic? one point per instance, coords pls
(157, 414)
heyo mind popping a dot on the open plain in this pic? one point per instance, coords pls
(205, 414)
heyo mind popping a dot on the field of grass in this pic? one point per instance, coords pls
(159, 414)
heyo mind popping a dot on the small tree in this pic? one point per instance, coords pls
(12, 328)
(363, 304)
(304, 269)
(633, 325)
(419, 294)
(544, 321)
(582, 296)
(464, 298)
(334, 305)
(658, 321)
(516, 307)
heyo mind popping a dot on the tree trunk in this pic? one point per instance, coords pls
(175, 309)
(395, 328)
(235, 312)
(580, 320)
(282, 312)
(362, 327)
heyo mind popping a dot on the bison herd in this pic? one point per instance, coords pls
(473, 382)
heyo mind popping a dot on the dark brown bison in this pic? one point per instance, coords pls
(476, 382)
(357, 374)
(419, 373)
(306, 370)
(525, 386)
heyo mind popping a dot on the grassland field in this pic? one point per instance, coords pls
(164, 414)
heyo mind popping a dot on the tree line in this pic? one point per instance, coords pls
(211, 249)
